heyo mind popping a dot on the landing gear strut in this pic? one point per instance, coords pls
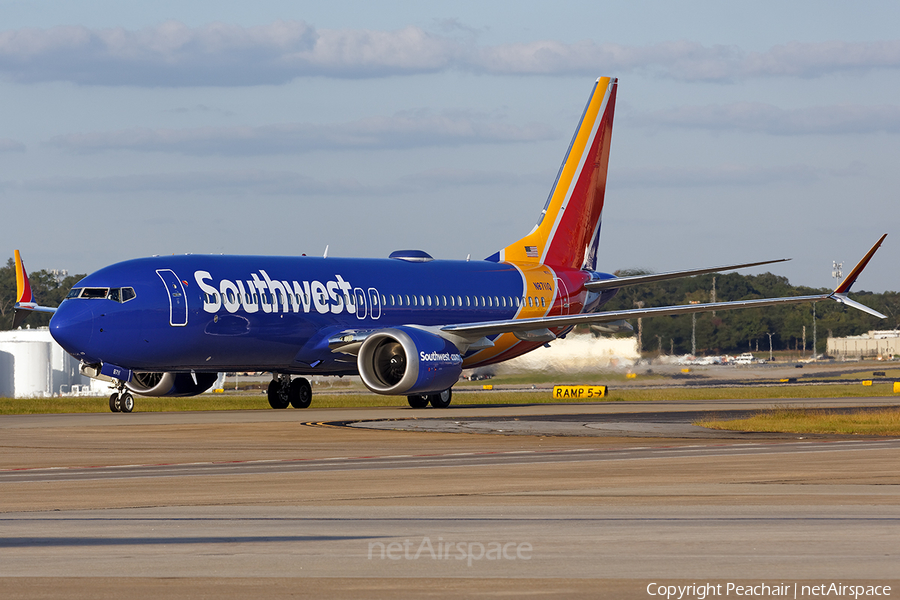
(283, 392)
(121, 400)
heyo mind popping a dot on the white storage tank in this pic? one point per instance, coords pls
(30, 358)
(33, 365)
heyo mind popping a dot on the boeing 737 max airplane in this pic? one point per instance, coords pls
(407, 325)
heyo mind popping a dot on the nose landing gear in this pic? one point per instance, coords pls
(121, 400)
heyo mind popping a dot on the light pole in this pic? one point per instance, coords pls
(640, 304)
(694, 330)
(770, 345)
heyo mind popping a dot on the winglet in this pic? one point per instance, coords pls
(840, 292)
(845, 285)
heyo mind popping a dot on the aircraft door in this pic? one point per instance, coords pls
(360, 297)
(375, 303)
(178, 308)
(562, 292)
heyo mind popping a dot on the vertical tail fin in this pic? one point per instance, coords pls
(23, 286)
(25, 303)
(568, 232)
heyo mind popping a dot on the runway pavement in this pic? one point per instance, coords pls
(287, 504)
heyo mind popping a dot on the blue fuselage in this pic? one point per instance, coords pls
(222, 313)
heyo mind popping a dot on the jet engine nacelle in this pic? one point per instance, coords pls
(406, 360)
(170, 384)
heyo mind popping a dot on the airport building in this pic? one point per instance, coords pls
(33, 365)
(875, 344)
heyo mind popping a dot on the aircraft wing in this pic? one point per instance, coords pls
(620, 282)
(538, 327)
(526, 325)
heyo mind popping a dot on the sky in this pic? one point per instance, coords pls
(743, 132)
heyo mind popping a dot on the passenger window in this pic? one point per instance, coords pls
(429, 300)
(542, 301)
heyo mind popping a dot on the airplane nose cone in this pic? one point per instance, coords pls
(72, 326)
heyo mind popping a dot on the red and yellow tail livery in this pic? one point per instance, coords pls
(568, 232)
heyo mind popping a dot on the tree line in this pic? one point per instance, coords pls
(725, 332)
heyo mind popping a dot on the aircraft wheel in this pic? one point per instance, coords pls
(277, 395)
(417, 401)
(126, 403)
(300, 393)
(114, 404)
(441, 400)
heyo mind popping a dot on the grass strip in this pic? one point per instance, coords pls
(880, 422)
(257, 401)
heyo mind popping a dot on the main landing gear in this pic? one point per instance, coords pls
(283, 392)
(439, 400)
(121, 400)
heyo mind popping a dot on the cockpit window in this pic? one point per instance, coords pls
(95, 293)
(120, 295)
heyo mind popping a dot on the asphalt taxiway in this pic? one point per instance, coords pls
(549, 500)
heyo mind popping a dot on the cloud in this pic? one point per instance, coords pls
(256, 182)
(261, 182)
(724, 175)
(410, 129)
(753, 117)
(8, 145)
(469, 177)
(212, 182)
(173, 54)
